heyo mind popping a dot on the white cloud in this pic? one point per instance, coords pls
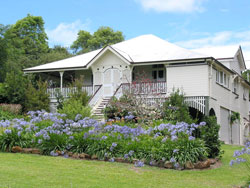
(185, 6)
(221, 44)
(65, 33)
(212, 40)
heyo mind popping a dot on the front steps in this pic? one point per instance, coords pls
(97, 110)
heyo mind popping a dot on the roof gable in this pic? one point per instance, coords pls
(102, 52)
(240, 57)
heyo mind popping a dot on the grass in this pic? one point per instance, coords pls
(24, 170)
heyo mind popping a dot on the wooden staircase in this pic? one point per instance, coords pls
(98, 109)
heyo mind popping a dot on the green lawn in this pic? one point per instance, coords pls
(23, 170)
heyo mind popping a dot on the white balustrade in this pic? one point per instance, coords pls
(66, 91)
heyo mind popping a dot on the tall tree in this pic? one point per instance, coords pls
(3, 52)
(104, 36)
(54, 54)
(27, 40)
(80, 45)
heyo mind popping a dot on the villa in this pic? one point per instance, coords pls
(212, 85)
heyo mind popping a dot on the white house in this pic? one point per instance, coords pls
(213, 86)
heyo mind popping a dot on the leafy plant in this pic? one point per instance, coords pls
(77, 92)
(12, 137)
(175, 109)
(5, 115)
(210, 134)
(72, 107)
(37, 99)
(15, 87)
(242, 156)
(53, 142)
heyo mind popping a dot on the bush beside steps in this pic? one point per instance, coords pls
(162, 164)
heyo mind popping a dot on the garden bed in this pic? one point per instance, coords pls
(164, 145)
(207, 164)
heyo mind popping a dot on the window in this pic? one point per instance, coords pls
(154, 75)
(244, 93)
(225, 79)
(217, 76)
(235, 86)
(158, 66)
(158, 72)
(222, 78)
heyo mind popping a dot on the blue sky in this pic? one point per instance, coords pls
(189, 23)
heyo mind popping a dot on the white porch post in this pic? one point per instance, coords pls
(166, 79)
(61, 80)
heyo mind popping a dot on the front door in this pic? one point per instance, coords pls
(111, 81)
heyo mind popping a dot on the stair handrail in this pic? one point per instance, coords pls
(99, 87)
(116, 91)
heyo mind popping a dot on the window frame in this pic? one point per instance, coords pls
(157, 69)
(222, 78)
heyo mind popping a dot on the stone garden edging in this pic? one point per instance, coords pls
(207, 164)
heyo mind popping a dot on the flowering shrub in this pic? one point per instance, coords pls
(128, 103)
(51, 132)
(242, 156)
(14, 133)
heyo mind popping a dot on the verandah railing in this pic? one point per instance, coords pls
(155, 93)
(157, 87)
(198, 102)
(53, 92)
(150, 93)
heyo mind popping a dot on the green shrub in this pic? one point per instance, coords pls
(15, 86)
(11, 138)
(193, 151)
(175, 109)
(3, 97)
(5, 115)
(112, 110)
(72, 107)
(54, 143)
(37, 99)
(77, 92)
(210, 134)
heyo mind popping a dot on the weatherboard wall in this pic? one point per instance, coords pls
(192, 80)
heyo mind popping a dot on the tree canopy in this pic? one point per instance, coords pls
(104, 36)
(28, 34)
(25, 44)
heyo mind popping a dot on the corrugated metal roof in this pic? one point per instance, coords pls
(145, 48)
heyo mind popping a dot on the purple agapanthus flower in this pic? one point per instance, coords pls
(53, 153)
(112, 160)
(191, 138)
(7, 131)
(139, 164)
(172, 160)
(175, 150)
